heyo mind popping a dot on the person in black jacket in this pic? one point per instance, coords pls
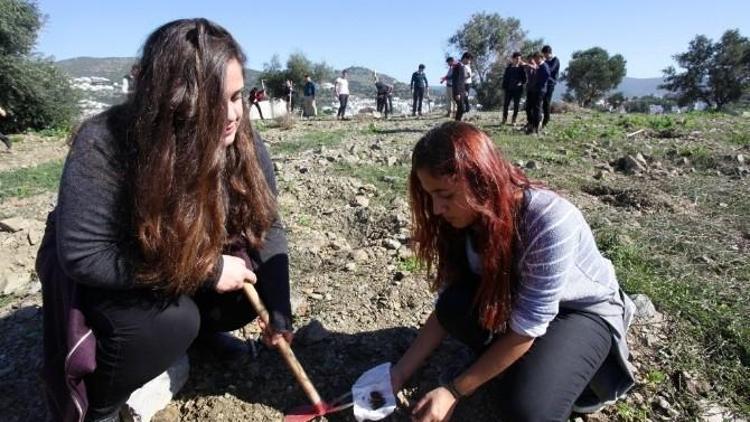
(553, 63)
(419, 86)
(514, 80)
(166, 209)
(460, 89)
(384, 97)
(536, 90)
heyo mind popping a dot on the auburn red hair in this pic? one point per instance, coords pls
(496, 193)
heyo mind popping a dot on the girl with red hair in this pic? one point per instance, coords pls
(520, 281)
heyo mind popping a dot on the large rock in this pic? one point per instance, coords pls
(14, 281)
(645, 309)
(157, 393)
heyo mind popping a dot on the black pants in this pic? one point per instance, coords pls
(461, 106)
(385, 104)
(5, 139)
(260, 112)
(139, 335)
(467, 106)
(546, 104)
(534, 100)
(545, 382)
(515, 95)
(343, 99)
(417, 97)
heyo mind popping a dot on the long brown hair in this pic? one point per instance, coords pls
(496, 193)
(188, 192)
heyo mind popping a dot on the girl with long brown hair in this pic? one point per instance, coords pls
(521, 282)
(166, 208)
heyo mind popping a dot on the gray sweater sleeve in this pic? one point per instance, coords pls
(92, 245)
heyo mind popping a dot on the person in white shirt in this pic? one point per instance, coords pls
(341, 87)
(469, 75)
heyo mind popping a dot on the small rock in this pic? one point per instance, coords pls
(405, 252)
(277, 166)
(399, 275)
(532, 165)
(740, 158)
(14, 281)
(631, 165)
(645, 309)
(34, 236)
(391, 244)
(35, 287)
(605, 167)
(360, 201)
(391, 161)
(312, 333)
(300, 306)
(664, 405)
(351, 267)
(359, 255)
(303, 169)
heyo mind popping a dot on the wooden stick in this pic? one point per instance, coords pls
(286, 351)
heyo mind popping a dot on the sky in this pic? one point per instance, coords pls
(393, 37)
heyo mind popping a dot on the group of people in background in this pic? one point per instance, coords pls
(538, 74)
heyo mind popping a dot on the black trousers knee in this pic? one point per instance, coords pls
(515, 96)
(544, 383)
(417, 97)
(140, 334)
(547, 104)
(535, 108)
(343, 100)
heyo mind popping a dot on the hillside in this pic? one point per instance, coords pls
(668, 207)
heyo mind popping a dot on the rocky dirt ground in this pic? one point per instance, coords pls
(358, 296)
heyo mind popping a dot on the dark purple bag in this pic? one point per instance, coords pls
(69, 344)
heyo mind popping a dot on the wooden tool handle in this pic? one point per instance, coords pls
(286, 351)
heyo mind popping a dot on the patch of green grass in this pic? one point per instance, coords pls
(699, 155)
(60, 133)
(304, 220)
(655, 377)
(630, 413)
(409, 265)
(5, 299)
(390, 181)
(24, 182)
(703, 311)
(311, 140)
(739, 138)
